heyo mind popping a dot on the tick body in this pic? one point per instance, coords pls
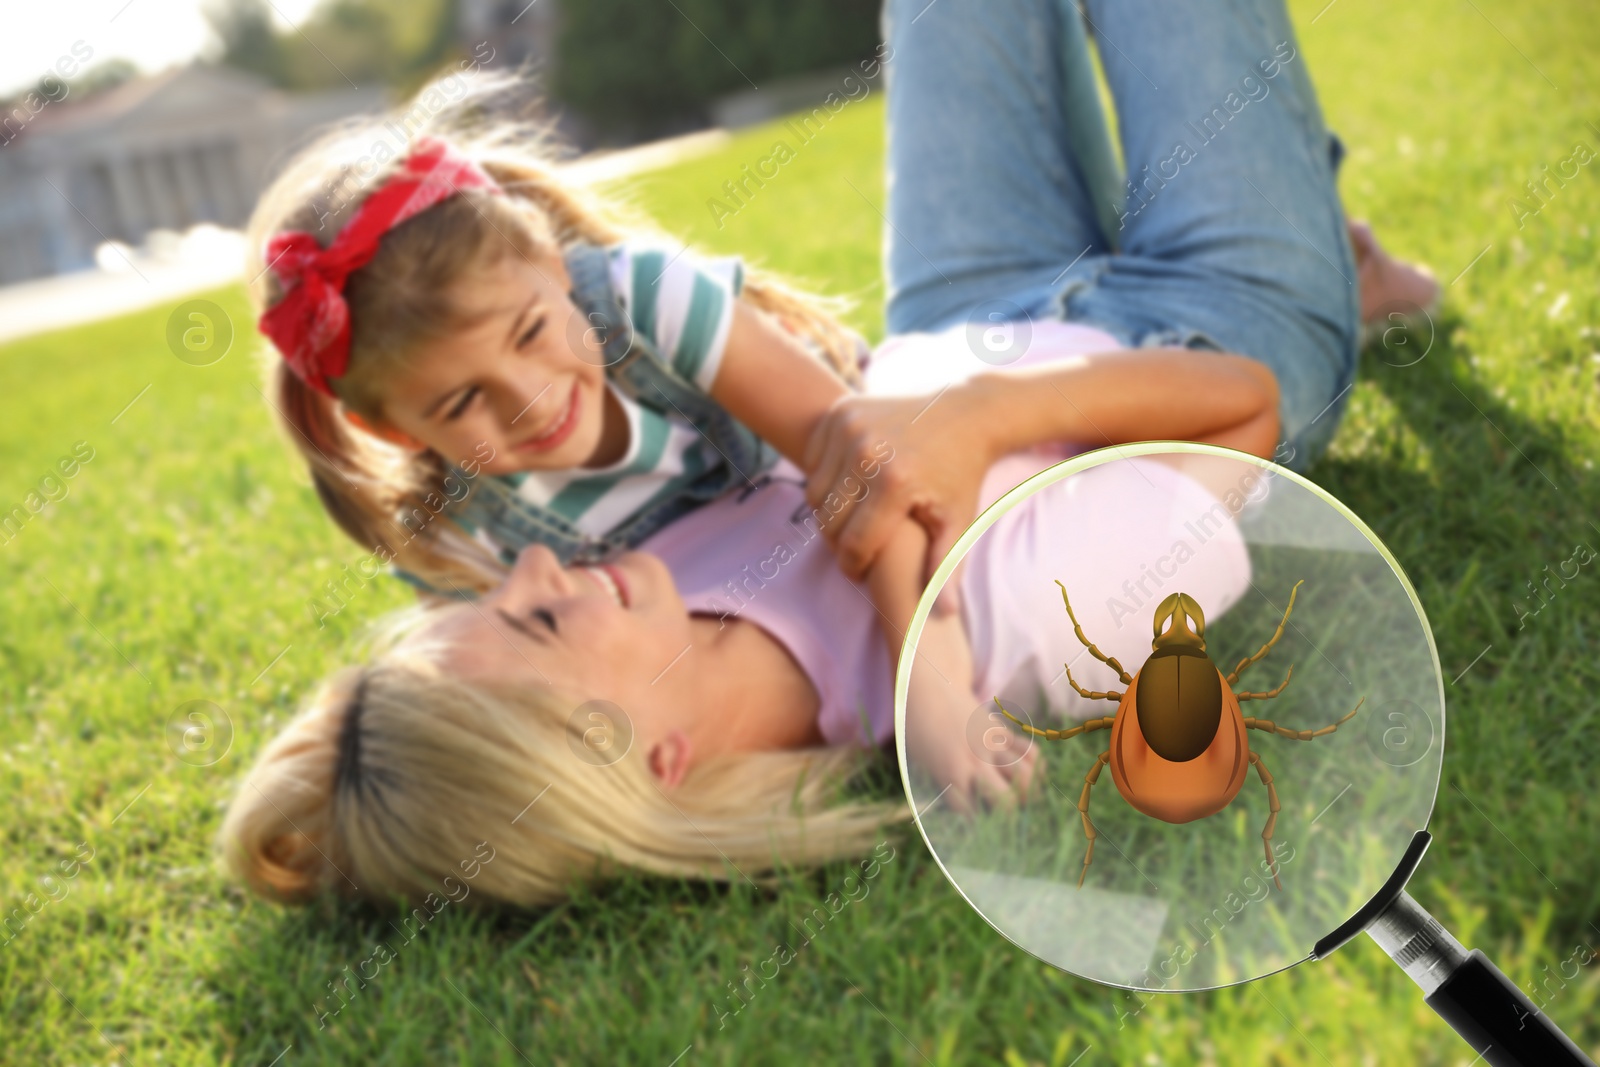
(1178, 790)
(1180, 747)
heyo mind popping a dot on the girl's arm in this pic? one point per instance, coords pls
(769, 382)
(944, 445)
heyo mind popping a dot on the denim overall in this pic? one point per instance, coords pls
(633, 368)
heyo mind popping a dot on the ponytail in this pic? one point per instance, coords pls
(432, 787)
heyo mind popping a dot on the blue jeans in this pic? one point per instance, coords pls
(1223, 230)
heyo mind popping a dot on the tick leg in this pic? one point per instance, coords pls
(1269, 694)
(1089, 693)
(1109, 661)
(1083, 809)
(1272, 817)
(1234, 677)
(1300, 735)
(1058, 735)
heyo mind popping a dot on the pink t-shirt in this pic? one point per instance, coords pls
(757, 554)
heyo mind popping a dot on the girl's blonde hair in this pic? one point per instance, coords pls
(450, 774)
(402, 296)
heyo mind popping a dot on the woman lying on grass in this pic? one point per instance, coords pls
(698, 707)
(695, 708)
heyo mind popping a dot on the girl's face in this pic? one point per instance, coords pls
(523, 384)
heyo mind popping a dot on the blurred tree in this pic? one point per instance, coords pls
(634, 65)
(103, 77)
(249, 42)
(17, 108)
(398, 43)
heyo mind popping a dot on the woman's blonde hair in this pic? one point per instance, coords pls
(403, 296)
(438, 775)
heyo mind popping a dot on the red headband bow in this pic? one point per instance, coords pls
(311, 324)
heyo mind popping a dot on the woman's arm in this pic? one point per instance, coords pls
(940, 698)
(943, 447)
(1175, 394)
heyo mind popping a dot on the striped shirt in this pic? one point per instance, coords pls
(684, 305)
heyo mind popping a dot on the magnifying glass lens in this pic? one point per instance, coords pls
(1223, 692)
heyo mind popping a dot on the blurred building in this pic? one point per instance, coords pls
(192, 145)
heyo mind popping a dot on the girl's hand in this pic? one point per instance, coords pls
(923, 457)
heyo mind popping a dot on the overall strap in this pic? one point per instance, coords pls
(630, 359)
(640, 372)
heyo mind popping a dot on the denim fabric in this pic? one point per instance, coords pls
(1224, 230)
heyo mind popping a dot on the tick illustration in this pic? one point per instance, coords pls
(1179, 747)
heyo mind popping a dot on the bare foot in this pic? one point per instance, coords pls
(1388, 284)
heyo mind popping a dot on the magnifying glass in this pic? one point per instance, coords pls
(1239, 717)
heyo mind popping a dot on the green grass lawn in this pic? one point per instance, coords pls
(178, 565)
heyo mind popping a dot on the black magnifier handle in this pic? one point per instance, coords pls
(1470, 993)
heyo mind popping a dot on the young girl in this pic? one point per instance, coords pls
(475, 359)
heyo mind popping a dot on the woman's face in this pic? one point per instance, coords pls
(621, 633)
(594, 633)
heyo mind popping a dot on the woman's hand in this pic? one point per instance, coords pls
(951, 734)
(923, 457)
(994, 766)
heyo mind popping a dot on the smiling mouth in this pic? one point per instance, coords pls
(611, 581)
(558, 431)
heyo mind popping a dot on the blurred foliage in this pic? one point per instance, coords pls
(343, 43)
(94, 80)
(99, 78)
(632, 67)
